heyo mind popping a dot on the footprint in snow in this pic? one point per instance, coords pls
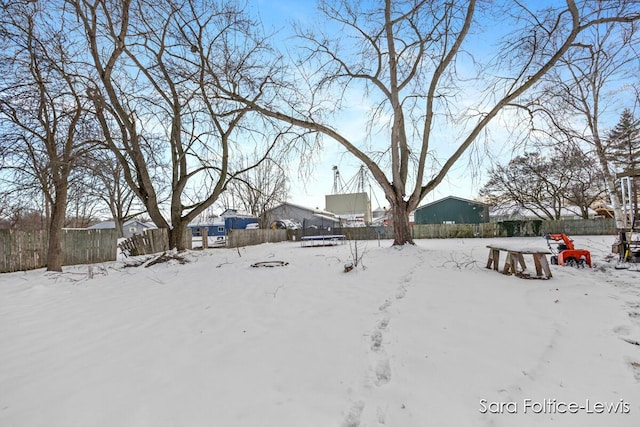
(402, 292)
(383, 372)
(384, 306)
(353, 417)
(382, 324)
(376, 340)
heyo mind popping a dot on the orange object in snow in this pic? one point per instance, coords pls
(566, 253)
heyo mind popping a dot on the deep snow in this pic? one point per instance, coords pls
(414, 336)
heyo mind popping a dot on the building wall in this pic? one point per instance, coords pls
(131, 228)
(349, 204)
(452, 211)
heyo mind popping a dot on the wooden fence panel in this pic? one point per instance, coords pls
(88, 246)
(453, 231)
(239, 238)
(22, 250)
(27, 250)
(158, 240)
(583, 227)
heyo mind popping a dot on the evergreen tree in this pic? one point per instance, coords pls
(624, 142)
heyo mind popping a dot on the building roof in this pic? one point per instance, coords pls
(217, 221)
(312, 210)
(235, 214)
(451, 197)
(331, 218)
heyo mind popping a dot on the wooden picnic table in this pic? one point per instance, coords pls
(515, 258)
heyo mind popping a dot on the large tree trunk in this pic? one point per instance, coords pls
(58, 210)
(178, 236)
(119, 224)
(401, 227)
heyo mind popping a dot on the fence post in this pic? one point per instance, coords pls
(205, 237)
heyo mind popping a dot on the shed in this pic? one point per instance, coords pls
(452, 210)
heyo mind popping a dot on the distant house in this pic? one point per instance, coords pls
(452, 210)
(307, 217)
(131, 227)
(219, 226)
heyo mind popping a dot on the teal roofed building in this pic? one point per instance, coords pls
(452, 210)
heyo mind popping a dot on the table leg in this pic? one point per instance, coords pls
(510, 264)
(494, 258)
(536, 261)
(545, 265)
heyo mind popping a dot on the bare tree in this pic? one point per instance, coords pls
(107, 185)
(586, 187)
(259, 189)
(579, 92)
(526, 182)
(83, 207)
(161, 66)
(409, 60)
(42, 110)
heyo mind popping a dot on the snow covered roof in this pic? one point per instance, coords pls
(313, 210)
(108, 225)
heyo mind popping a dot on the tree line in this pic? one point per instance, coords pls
(169, 107)
(550, 181)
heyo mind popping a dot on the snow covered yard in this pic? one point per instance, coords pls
(423, 336)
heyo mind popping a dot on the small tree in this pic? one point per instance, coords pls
(259, 189)
(108, 185)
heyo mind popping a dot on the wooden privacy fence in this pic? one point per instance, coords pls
(528, 228)
(422, 231)
(27, 250)
(453, 231)
(22, 250)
